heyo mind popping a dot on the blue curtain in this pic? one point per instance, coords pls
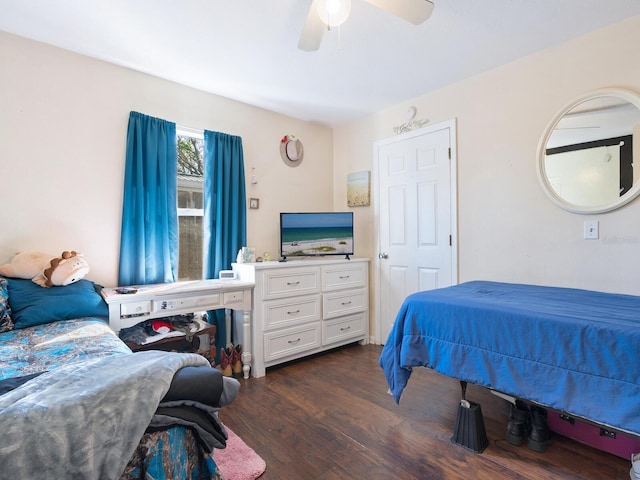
(149, 237)
(225, 214)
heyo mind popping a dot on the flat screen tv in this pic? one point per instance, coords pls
(316, 234)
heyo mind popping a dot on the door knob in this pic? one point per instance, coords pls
(383, 256)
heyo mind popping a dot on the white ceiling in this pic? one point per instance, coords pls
(247, 49)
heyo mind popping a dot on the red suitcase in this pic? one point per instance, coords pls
(598, 436)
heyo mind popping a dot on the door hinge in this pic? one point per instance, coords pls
(450, 240)
(449, 153)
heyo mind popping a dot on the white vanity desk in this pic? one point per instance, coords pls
(165, 299)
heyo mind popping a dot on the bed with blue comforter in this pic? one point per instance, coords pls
(75, 402)
(572, 350)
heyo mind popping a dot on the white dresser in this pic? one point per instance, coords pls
(302, 307)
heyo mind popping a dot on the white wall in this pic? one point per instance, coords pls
(63, 123)
(508, 229)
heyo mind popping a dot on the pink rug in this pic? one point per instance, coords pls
(238, 461)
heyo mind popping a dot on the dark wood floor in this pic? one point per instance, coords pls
(329, 417)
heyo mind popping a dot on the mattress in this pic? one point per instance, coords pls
(572, 350)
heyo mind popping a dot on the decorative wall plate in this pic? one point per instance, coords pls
(291, 150)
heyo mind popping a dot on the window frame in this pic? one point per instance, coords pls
(190, 211)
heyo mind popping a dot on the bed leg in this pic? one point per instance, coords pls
(469, 431)
(463, 387)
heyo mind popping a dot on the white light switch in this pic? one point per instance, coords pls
(591, 230)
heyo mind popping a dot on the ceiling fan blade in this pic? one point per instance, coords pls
(311, 35)
(413, 11)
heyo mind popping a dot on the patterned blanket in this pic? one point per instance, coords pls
(26, 351)
(84, 420)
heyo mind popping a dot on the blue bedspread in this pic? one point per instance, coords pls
(572, 350)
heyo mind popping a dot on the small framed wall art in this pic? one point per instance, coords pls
(254, 203)
(359, 189)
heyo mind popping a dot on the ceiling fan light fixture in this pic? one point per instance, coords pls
(334, 12)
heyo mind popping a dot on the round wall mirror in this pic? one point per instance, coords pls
(586, 158)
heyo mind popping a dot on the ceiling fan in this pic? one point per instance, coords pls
(324, 14)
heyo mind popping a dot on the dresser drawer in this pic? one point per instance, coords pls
(291, 341)
(291, 282)
(337, 277)
(344, 328)
(290, 312)
(342, 303)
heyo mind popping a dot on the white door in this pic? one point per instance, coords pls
(416, 217)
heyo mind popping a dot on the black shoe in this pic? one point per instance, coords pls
(518, 426)
(539, 436)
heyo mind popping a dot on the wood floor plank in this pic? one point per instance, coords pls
(330, 417)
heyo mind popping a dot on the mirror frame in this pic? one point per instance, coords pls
(628, 95)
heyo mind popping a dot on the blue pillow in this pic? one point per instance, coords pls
(6, 323)
(32, 304)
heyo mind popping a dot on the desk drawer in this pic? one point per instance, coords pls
(337, 277)
(230, 298)
(342, 303)
(190, 303)
(135, 309)
(285, 343)
(290, 312)
(302, 281)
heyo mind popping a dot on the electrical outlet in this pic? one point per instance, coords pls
(591, 230)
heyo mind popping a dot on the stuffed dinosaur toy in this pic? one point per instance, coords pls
(46, 270)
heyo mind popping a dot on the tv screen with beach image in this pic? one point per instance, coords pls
(303, 234)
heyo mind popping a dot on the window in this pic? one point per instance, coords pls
(190, 181)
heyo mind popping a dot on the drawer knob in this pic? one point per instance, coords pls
(294, 312)
(344, 276)
(344, 329)
(346, 303)
(293, 284)
(295, 341)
